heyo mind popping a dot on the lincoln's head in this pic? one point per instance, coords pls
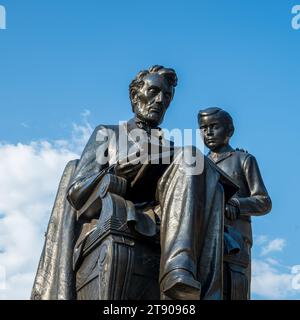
(216, 126)
(151, 93)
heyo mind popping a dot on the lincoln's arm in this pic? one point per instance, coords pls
(89, 171)
(259, 202)
(81, 189)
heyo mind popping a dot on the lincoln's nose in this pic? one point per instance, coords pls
(159, 98)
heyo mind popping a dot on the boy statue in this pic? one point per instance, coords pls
(252, 199)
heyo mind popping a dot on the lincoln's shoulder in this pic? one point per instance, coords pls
(104, 130)
(101, 134)
(102, 127)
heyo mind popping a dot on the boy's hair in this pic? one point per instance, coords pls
(222, 114)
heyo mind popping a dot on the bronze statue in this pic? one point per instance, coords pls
(121, 215)
(252, 199)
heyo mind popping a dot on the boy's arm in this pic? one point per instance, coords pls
(259, 202)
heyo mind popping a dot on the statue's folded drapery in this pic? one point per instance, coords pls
(192, 225)
(55, 279)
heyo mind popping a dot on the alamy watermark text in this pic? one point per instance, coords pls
(296, 17)
(2, 17)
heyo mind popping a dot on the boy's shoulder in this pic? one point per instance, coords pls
(242, 154)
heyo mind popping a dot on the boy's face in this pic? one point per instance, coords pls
(215, 132)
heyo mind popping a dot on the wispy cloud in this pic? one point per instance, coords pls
(261, 239)
(25, 125)
(81, 132)
(272, 246)
(85, 114)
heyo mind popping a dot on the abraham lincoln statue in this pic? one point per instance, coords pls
(185, 196)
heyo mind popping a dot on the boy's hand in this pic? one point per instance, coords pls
(232, 212)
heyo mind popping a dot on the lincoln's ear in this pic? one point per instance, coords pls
(134, 97)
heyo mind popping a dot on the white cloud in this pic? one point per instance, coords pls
(25, 125)
(261, 239)
(273, 262)
(270, 278)
(272, 246)
(30, 174)
(270, 282)
(80, 136)
(85, 114)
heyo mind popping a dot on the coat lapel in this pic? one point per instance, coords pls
(220, 157)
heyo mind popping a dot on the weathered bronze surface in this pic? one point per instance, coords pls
(124, 230)
(252, 198)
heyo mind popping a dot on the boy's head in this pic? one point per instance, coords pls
(216, 126)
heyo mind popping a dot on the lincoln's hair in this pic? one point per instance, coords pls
(138, 82)
(223, 115)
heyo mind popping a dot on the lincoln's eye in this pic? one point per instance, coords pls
(153, 90)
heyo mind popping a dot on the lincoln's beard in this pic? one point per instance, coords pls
(146, 115)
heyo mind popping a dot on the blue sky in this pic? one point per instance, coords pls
(59, 58)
